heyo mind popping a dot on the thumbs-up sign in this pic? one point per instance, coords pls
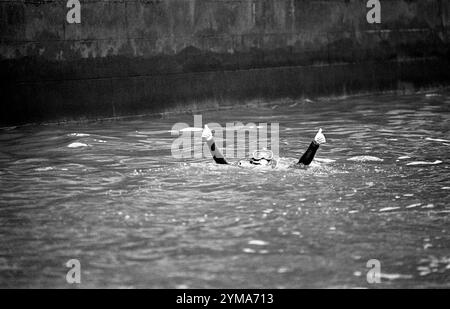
(207, 134)
(320, 138)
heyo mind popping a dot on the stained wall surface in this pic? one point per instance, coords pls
(143, 56)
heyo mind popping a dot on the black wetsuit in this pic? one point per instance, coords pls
(309, 154)
(306, 158)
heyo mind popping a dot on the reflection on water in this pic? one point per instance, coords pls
(111, 195)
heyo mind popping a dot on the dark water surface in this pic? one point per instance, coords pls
(135, 216)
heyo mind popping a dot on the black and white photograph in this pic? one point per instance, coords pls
(224, 146)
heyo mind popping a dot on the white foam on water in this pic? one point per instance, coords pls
(437, 140)
(388, 209)
(395, 276)
(44, 169)
(445, 188)
(428, 206)
(191, 130)
(282, 270)
(26, 161)
(424, 163)
(324, 160)
(399, 111)
(258, 242)
(403, 157)
(77, 145)
(414, 205)
(78, 135)
(365, 159)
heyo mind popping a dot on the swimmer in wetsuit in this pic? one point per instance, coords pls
(264, 157)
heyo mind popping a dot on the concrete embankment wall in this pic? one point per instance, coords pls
(143, 56)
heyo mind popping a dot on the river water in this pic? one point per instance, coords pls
(111, 195)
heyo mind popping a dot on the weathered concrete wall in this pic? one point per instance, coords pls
(136, 56)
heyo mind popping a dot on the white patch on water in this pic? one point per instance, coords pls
(78, 135)
(365, 159)
(403, 157)
(324, 160)
(414, 205)
(77, 145)
(143, 132)
(399, 111)
(424, 163)
(428, 206)
(26, 161)
(445, 188)
(395, 276)
(438, 140)
(258, 242)
(44, 169)
(433, 264)
(191, 130)
(388, 209)
(282, 270)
